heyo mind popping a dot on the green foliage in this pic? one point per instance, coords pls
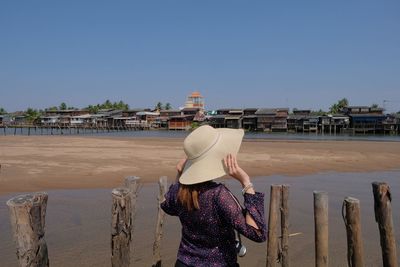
(54, 108)
(107, 105)
(194, 125)
(32, 114)
(168, 106)
(93, 109)
(337, 107)
(2, 111)
(63, 106)
(319, 112)
(374, 106)
(159, 106)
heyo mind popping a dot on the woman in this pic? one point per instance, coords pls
(208, 211)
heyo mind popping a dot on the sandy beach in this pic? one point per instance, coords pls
(52, 162)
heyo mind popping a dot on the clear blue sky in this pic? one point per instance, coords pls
(304, 54)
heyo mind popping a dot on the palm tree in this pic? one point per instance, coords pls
(337, 107)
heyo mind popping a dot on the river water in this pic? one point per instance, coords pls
(182, 134)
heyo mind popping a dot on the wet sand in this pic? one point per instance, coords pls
(79, 234)
(39, 163)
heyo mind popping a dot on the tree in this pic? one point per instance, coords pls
(93, 109)
(168, 106)
(63, 106)
(107, 104)
(343, 102)
(159, 106)
(374, 106)
(2, 111)
(32, 114)
(54, 108)
(319, 112)
(337, 107)
(121, 105)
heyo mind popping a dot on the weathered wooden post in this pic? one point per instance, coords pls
(272, 244)
(27, 213)
(352, 219)
(285, 226)
(132, 183)
(321, 228)
(121, 227)
(160, 221)
(383, 216)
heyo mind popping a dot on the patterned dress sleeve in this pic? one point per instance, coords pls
(233, 214)
(169, 205)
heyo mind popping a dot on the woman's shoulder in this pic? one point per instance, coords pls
(220, 189)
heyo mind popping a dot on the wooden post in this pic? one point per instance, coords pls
(383, 216)
(160, 221)
(121, 227)
(132, 183)
(272, 244)
(27, 213)
(321, 228)
(351, 216)
(285, 226)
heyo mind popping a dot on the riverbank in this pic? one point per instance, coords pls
(38, 163)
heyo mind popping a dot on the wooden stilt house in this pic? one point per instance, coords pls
(249, 119)
(364, 119)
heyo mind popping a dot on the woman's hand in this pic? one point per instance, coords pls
(235, 171)
(179, 167)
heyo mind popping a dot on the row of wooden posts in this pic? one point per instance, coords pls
(61, 130)
(28, 212)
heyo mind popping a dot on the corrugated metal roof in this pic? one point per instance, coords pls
(233, 117)
(142, 113)
(265, 111)
(366, 115)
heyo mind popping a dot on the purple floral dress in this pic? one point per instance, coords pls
(208, 237)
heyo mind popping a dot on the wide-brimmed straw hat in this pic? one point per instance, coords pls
(206, 148)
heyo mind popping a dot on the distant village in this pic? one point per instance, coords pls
(343, 119)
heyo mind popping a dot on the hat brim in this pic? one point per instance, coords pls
(211, 165)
